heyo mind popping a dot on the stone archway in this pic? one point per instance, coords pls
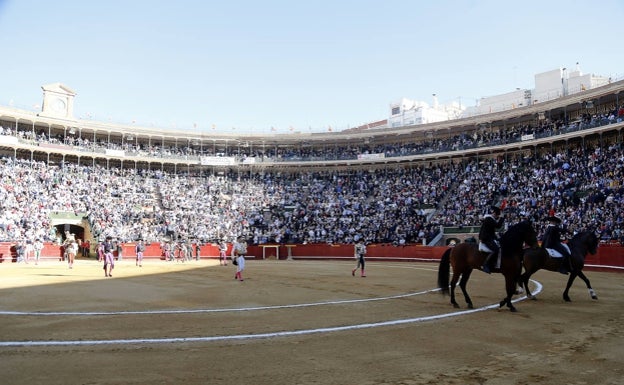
(77, 230)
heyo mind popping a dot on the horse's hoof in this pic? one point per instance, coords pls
(456, 306)
(470, 306)
(533, 298)
(592, 294)
(513, 310)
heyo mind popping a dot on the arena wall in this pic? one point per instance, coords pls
(607, 255)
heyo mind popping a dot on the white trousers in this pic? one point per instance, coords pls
(241, 263)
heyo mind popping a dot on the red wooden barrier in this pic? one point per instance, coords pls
(608, 255)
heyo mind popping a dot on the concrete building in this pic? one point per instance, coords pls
(549, 85)
(410, 112)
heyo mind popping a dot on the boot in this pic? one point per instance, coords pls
(486, 266)
(353, 272)
(363, 273)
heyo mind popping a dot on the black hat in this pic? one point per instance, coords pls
(496, 209)
(553, 219)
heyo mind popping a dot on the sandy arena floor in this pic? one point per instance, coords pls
(299, 322)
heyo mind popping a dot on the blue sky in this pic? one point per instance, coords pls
(247, 66)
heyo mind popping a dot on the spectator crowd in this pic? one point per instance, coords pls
(396, 205)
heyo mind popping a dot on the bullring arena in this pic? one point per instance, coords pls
(300, 316)
(301, 322)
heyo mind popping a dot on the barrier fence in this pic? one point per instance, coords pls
(607, 255)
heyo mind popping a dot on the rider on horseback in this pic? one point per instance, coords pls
(552, 240)
(488, 236)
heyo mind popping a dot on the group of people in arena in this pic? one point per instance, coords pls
(180, 250)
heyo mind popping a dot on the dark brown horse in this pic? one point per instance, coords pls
(538, 258)
(466, 256)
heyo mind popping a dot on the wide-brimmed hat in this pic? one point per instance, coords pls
(495, 209)
(553, 219)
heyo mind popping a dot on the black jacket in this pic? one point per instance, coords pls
(552, 237)
(488, 228)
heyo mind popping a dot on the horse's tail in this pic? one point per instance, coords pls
(443, 271)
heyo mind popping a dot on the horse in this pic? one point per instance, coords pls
(538, 258)
(465, 257)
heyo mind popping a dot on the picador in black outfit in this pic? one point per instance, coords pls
(491, 222)
(552, 240)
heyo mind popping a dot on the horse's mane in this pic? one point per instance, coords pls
(512, 240)
(584, 234)
(587, 237)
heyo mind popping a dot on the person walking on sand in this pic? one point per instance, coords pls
(109, 258)
(100, 251)
(29, 250)
(140, 249)
(38, 246)
(222, 251)
(119, 248)
(197, 251)
(72, 250)
(239, 250)
(359, 252)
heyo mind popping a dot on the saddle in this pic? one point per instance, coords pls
(555, 254)
(485, 249)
